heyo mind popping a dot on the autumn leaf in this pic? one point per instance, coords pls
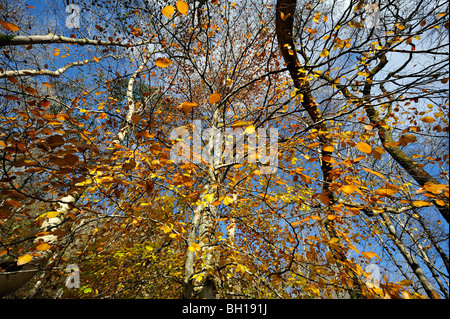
(435, 188)
(324, 199)
(348, 189)
(427, 119)
(96, 59)
(421, 203)
(182, 7)
(228, 200)
(52, 214)
(370, 255)
(186, 107)
(373, 172)
(168, 11)
(214, 98)
(9, 26)
(387, 191)
(194, 247)
(324, 53)
(364, 147)
(11, 97)
(328, 148)
(405, 283)
(163, 62)
(43, 247)
(166, 229)
(25, 259)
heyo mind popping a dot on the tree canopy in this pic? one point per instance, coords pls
(219, 149)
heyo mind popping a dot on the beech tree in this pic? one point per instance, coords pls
(216, 149)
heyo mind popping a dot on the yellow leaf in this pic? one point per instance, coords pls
(348, 189)
(405, 283)
(209, 197)
(353, 247)
(182, 7)
(52, 214)
(228, 200)
(250, 129)
(435, 188)
(24, 259)
(9, 26)
(168, 11)
(370, 255)
(96, 59)
(194, 246)
(373, 172)
(214, 98)
(43, 246)
(387, 191)
(162, 62)
(57, 52)
(166, 229)
(440, 202)
(421, 203)
(324, 53)
(364, 147)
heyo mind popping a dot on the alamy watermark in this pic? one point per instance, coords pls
(73, 279)
(372, 19)
(374, 274)
(73, 19)
(225, 146)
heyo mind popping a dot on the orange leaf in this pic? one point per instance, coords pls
(435, 188)
(214, 98)
(182, 7)
(43, 246)
(24, 259)
(364, 147)
(96, 59)
(9, 26)
(348, 189)
(162, 62)
(427, 119)
(168, 11)
(421, 203)
(186, 107)
(387, 191)
(328, 148)
(370, 255)
(373, 172)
